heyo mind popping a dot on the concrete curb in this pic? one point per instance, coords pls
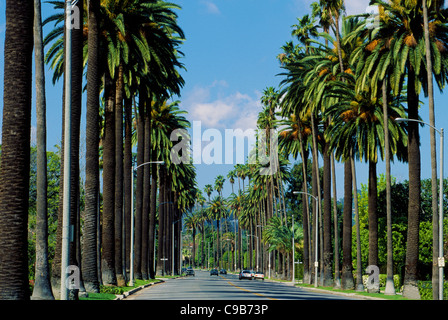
(128, 293)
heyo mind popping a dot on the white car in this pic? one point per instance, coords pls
(259, 275)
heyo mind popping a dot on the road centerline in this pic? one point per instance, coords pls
(250, 291)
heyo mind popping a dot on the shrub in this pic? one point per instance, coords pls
(425, 290)
(112, 289)
(383, 278)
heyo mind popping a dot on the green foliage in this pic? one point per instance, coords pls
(383, 278)
(399, 225)
(53, 173)
(112, 289)
(425, 289)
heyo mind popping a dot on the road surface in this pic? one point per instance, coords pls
(226, 287)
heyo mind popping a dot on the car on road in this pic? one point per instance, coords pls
(214, 272)
(246, 274)
(189, 272)
(223, 271)
(259, 275)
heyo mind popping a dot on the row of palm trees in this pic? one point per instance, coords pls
(130, 53)
(341, 92)
(343, 87)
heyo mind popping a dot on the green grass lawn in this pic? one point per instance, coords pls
(109, 293)
(375, 295)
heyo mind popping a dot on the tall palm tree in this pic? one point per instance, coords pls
(15, 164)
(402, 30)
(216, 212)
(437, 6)
(208, 189)
(92, 183)
(108, 235)
(192, 221)
(42, 287)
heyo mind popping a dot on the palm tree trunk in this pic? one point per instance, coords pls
(139, 191)
(118, 223)
(317, 194)
(390, 289)
(162, 198)
(432, 136)
(42, 286)
(76, 103)
(127, 171)
(146, 191)
(373, 223)
(56, 265)
(347, 280)
(328, 253)
(89, 257)
(108, 234)
(359, 284)
(15, 164)
(337, 273)
(410, 288)
(152, 220)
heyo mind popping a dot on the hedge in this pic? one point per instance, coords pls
(425, 290)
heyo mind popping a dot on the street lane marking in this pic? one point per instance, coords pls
(247, 290)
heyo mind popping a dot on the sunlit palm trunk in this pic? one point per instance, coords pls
(42, 286)
(390, 289)
(410, 288)
(432, 136)
(359, 284)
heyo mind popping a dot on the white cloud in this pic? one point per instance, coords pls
(222, 111)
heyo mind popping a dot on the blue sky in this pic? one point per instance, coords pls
(230, 56)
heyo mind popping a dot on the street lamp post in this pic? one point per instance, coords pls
(133, 169)
(316, 261)
(441, 260)
(293, 256)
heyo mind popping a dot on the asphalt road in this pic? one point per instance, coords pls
(226, 287)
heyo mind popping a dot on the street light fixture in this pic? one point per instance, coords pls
(441, 260)
(133, 169)
(316, 261)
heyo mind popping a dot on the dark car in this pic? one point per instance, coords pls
(214, 272)
(223, 271)
(189, 272)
